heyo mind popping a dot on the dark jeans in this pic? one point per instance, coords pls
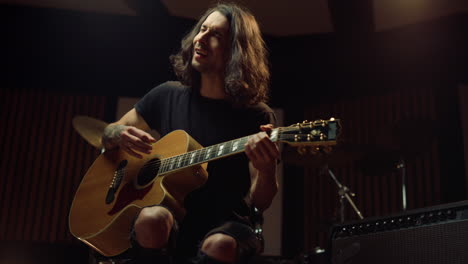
(248, 245)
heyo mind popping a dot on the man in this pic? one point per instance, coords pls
(224, 77)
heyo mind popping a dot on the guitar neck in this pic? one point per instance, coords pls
(317, 134)
(207, 154)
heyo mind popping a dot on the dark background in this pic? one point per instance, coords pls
(74, 54)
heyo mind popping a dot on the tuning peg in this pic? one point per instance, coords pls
(322, 136)
(302, 150)
(314, 150)
(327, 149)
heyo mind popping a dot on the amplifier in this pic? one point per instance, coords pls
(432, 235)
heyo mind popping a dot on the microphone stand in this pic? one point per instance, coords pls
(345, 193)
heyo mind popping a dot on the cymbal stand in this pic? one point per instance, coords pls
(402, 167)
(345, 193)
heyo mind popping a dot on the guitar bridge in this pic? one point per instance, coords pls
(116, 181)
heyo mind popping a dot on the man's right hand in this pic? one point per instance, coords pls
(128, 138)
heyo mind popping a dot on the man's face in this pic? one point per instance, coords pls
(211, 45)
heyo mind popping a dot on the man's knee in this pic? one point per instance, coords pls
(220, 247)
(153, 226)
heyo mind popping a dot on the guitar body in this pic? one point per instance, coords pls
(118, 185)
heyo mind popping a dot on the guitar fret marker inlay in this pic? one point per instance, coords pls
(220, 151)
(235, 145)
(207, 156)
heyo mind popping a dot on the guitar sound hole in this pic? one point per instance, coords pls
(148, 172)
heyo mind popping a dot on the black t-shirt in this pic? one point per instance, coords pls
(171, 106)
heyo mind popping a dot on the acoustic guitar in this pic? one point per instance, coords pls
(117, 185)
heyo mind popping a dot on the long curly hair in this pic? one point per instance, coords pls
(247, 74)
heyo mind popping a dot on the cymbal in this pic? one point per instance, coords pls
(379, 160)
(90, 129)
(409, 137)
(401, 140)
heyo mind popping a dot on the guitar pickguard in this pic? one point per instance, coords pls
(127, 195)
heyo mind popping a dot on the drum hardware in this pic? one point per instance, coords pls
(402, 168)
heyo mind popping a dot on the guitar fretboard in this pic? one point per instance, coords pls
(304, 135)
(203, 155)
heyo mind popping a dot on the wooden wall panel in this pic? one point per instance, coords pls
(370, 126)
(43, 161)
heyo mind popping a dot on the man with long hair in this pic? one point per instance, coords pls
(220, 96)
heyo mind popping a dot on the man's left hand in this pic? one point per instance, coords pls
(261, 151)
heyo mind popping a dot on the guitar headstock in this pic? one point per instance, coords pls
(319, 135)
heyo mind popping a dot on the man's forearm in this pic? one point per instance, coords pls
(264, 189)
(111, 136)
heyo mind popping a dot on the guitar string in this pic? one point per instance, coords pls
(183, 158)
(187, 156)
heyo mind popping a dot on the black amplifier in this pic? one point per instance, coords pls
(432, 235)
